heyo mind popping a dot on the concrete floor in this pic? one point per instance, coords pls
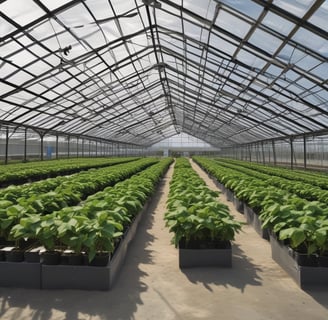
(151, 286)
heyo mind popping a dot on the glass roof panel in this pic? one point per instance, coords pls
(232, 24)
(312, 41)
(225, 71)
(21, 11)
(319, 17)
(277, 23)
(295, 7)
(247, 7)
(265, 41)
(6, 27)
(51, 5)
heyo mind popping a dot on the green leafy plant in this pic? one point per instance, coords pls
(193, 211)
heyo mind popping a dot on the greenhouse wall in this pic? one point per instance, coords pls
(297, 152)
(19, 144)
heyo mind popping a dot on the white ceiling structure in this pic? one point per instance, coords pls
(138, 71)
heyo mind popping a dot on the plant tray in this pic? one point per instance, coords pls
(90, 277)
(305, 277)
(253, 219)
(20, 275)
(191, 258)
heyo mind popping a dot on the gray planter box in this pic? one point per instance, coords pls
(253, 219)
(191, 258)
(20, 275)
(229, 195)
(305, 277)
(239, 204)
(218, 184)
(90, 277)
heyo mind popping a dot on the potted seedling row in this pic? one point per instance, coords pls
(202, 227)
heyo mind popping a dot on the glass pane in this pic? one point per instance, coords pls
(21, 11)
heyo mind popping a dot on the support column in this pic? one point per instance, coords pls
(291, 153)
(41, 146)
(96, 148)
(57, 147)
(77, 147)
(82, 147)
(7, 145)
(274, 153)
(25, 145)
(304, 152)
(68, 146)
(263, 153)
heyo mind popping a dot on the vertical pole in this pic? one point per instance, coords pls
(57, 146)
(68, 146)
(96, 148)
(274, 153)
(41, 145)
(77, 147)
(82, 147)
(304, 152)
(25, 145)
(291, 153)
(263, 153)
(7, 145)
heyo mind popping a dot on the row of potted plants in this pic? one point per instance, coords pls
(305, 190)
(195, 216)
(23, 172)
(309, 177)
(301, 224)
(69, 192)
(96, 225)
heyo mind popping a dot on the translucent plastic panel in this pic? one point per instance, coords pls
(296, 7)
(265, 41)
(277, 23)
(38, 68)
(6, 27)
(121, 7)
(223, 45)
(232, 24)
(247, 7)
(21, 11)
(20, 77)
(9, 47)
(273, 71)
(4, 88)
(312, 41)
(192, 30)
(51, 4)
(101, 9)
(169, 21)
(204, 8)
(307, 62)
(250, 59)
(319, 18)
(321, 71)
(6, 69)
(130, 25)
(9, 112)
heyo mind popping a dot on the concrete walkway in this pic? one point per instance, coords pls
(152, 287)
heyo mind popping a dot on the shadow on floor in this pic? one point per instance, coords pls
(120, 303)
(319, 294)
(242, 273)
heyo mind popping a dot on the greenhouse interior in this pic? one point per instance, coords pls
(163, 159)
